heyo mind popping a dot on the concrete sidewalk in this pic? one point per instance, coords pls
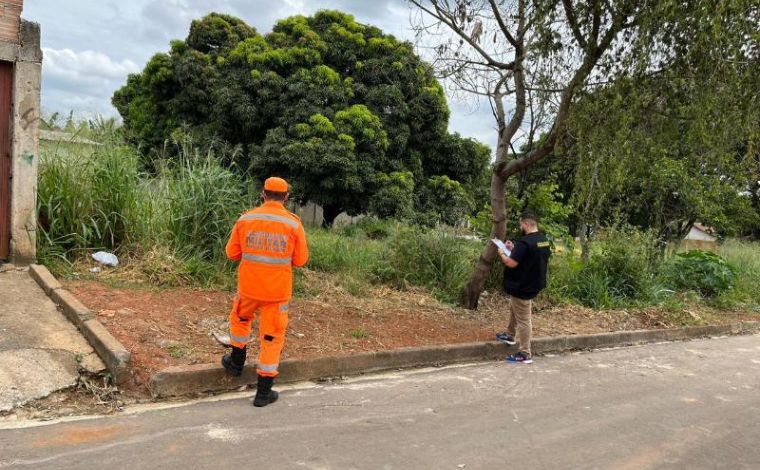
(675, 405)
(40, 350)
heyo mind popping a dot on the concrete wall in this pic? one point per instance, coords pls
(312, 214)
(24, 51)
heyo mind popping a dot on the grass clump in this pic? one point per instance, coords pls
(744, 258)
(621, 270)
(171, 226)
(429, 258)
(202, 202)
(332, 252)
(359, 333)
(87, 200)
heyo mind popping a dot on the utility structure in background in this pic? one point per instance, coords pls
(20, 71)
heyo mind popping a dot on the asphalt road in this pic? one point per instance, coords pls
(680, 405)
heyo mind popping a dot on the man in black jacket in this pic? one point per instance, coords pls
(524, 278)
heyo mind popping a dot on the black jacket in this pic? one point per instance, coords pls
(529, 277)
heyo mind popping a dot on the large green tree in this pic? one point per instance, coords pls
(330, 103)
(663, 157)
(533, 59)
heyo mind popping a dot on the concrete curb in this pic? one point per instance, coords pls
(74, 310)
(113, 353)
(199, 378)
(44, 279)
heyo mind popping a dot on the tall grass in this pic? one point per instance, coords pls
(745, 258)
(88, 198)
(94, 197)
(431, 259)
(202, 202)
(333, 252)
(621, 271)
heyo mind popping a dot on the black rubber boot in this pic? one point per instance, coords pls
(264, 393)
(234, 361)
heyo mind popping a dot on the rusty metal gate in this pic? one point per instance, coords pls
(6, 93)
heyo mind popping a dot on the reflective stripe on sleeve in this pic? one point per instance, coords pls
(266, 259)
(270, 218)
(284, 307)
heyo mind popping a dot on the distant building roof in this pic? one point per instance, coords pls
(701, 232)
(61, 136)
(705, 228)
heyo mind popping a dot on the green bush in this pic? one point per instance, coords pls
(621, 269)
(395, 197)
(431, 259)
(593, 289)
(701, 271)
(371, 228)
(445, 201)
(563, 272)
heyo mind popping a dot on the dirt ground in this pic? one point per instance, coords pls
(171, 327)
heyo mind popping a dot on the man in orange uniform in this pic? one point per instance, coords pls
(268, 241)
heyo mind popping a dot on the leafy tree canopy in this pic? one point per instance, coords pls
(334, 105)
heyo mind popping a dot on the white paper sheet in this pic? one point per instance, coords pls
(501, 246)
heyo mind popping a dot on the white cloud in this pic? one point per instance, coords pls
(126, 34)
(82, 81)
(65, 63)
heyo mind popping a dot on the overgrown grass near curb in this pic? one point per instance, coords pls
(170, 227)
(745, 258)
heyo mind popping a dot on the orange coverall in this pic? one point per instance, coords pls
(268, 241)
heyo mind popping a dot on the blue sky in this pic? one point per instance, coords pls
(91, 46)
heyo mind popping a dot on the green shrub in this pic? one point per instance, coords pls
(443, 200)
(370, 227)
(563, 272)
(432, 259)
(376, 229)
(594, 289)
(621, 269)
(701, 271)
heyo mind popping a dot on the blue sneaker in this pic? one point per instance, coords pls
(519, 358)
(505, 338)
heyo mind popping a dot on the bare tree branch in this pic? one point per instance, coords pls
(573, 22)
(503, 26)
(448, 19)
(590, 59)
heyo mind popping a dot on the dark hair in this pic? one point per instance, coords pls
(275, 195)
(528, 215)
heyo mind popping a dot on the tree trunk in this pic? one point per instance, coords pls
(474, 287)
(329, 214)
(584, 242)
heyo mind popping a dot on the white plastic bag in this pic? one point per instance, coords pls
(104, 257)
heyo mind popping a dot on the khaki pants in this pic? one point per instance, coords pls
(520, 326)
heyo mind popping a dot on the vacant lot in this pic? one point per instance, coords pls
(169, 327)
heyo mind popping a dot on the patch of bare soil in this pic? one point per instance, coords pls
(172, 327)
